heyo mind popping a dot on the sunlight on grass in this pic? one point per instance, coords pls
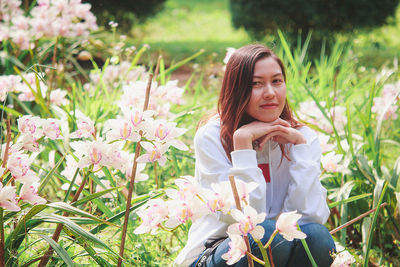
(187, 26)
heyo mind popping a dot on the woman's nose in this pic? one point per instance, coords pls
(268, 91)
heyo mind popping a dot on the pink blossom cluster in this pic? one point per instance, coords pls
(18, 165)
(310, 112)
(113, 74)
(161, 97)
(247, 221)
(191, 201)
(133, 82)
(49, 18)
(342, 258)
(26, 89)
(32, 128)
(388, 101)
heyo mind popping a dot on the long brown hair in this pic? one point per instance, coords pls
(236, 91)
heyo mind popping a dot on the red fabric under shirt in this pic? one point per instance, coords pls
(265, 170)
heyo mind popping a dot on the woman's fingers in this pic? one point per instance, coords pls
(278, 131)
(282, 122)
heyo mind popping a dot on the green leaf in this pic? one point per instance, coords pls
(348, 200)
(59, 250)
(140, 200)
(72, 210)
(183, 62)
(373, 224)
(54, 218)
(21, 230)
(95, 195)
(11, 111)
(89, 249)
(287, 51)
(394, 180)
(50, 174)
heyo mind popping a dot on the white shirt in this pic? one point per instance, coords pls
(294, 184)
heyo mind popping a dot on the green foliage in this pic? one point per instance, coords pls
(324, 18)
(125, 12)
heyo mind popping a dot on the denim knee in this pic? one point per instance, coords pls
(320, 242)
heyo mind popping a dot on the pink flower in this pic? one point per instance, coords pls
(30, 125)
(330, 162)
(390, 95)
(19, 166)
(8, 198)
(188, 187)
(51, 128)
(29, 194)
(287, 226)
(57, 97)
(237, 250)
(154, 152)
(247, 223)
(117, 129)
(85, 128)
(343, 259)
(90, 153)
(69, 171)
(152, 215)
(323, 142)
(182, 211)
(244, 190)
(28, 142)
(229, 52)
(170, 92)
(165, 132)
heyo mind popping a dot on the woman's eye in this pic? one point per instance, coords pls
(255, 84)
(277, 81)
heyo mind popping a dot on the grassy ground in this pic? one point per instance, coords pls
(185, 27)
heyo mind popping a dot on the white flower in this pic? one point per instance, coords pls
(287, 226)
(247, 223)
(330, 162)
(237, 250)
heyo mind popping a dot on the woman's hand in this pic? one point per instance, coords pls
(278, 130)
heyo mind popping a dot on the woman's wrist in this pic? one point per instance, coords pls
(301, 140)
(242, 140)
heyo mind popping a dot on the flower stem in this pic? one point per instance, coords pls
(263, 252)
(156, 175)
(57, 232)
(7, 146)
(237, 202)
(132, 181)
(1, 238)
(307, 249)
(249, 255)
(271, 238)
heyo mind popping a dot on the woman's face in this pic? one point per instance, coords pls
(269, 91)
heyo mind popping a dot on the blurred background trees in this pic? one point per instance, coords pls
(126, 13)
(323, 17)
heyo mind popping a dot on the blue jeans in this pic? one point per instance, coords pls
(284, 253)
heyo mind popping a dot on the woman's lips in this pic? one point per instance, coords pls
(269, 106)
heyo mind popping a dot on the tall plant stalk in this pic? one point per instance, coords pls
(57, 232)
(1, 238)
(237, 202)
(132, 181)
(7, 146)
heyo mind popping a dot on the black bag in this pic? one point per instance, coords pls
(211, 245)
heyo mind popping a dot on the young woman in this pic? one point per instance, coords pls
(256, 138)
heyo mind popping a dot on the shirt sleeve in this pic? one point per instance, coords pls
(213, 166)
(305, 192)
